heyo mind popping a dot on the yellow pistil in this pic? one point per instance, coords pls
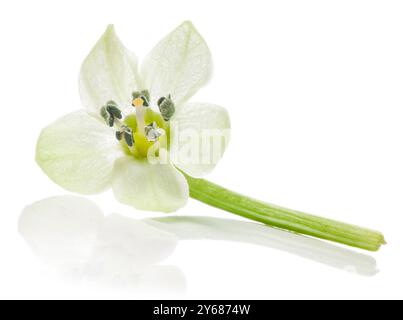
(138, 103)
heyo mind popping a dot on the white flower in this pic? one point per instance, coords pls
(83, 154)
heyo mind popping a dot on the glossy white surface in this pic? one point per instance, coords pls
(314, 91)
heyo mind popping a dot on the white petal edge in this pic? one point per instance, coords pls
(200, 133)
(179, 65)
(78, 153)
(109, 72)
(151, 187)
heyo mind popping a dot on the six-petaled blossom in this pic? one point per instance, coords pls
(133, 112)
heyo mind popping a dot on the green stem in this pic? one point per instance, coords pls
(283, 218)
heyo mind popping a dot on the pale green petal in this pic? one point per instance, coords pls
(108, 73)
(200, 133)
(78, 153)
(152, 187)
(179, 65)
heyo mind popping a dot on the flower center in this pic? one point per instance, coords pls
(143, 131)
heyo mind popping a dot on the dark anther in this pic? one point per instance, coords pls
(161, 100)
(108, 117)
(146, 104)
(114, 111)
(129, 138)
(126, 133)
(119, 135)
(167, 107)
(110, 112)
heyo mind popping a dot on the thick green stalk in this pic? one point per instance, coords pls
(283, 218)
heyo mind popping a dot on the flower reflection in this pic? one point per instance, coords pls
(72, 234)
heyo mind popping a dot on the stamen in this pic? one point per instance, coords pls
(110, 112)
(129, 138)
(104, 114)
(112, 108)
(153, 132)
(127, 133)
(119, 135)
(167, 107)
(108, 117)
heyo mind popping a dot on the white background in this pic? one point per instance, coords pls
(314, 90)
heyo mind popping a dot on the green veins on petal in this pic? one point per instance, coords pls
(109, 72)
(180, 64)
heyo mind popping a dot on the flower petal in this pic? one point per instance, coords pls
(78, 153)
(108, 73)
(200, 133)
(179, 65)
(152, 187)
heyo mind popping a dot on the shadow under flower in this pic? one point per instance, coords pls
(73, 235)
